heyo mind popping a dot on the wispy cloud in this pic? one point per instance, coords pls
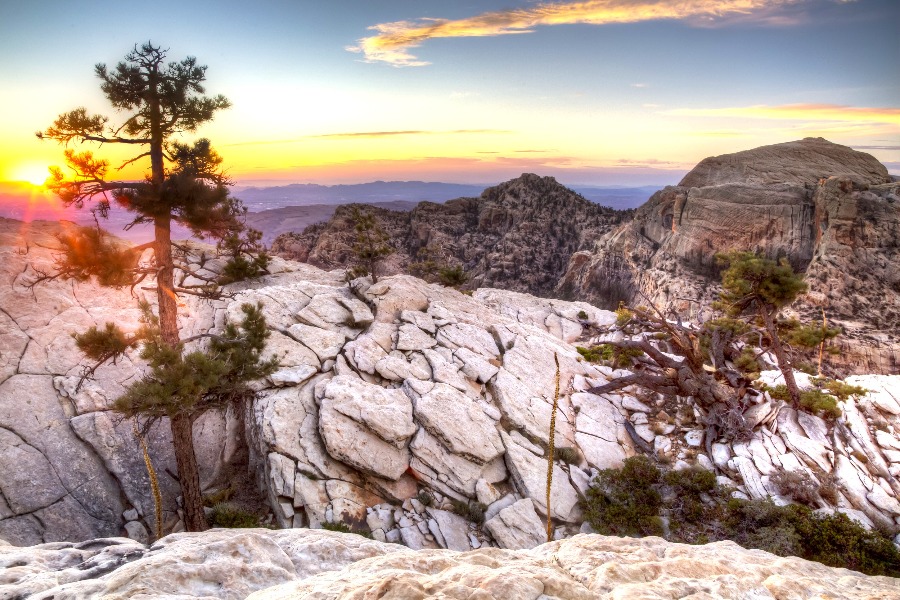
(371, 134)
(876, 147)
(393, 42)
(799, 112)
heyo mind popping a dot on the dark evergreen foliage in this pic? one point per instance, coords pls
(184, 185)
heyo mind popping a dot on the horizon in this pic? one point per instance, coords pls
(596, 92)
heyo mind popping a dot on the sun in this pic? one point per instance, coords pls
(34, 173)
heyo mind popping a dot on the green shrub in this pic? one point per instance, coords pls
(623, 315)
(840, 389)
(596, 354)
(797, 486)
(339, 527)
(344, 528)
(425, 498)
(567, 455)
(582, 315)
(746, 362)
(452, 276)
(227, 515)
(626, 501)
(820, 403)
(795, 530)
(473, 512)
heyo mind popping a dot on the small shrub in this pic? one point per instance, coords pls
(473, 512)
(227, 515)
(779, 392)
(582, 315)
(452, 276)
(828, 489)
(628, 502)
(746, 362)
(596, 354)
(567, 455)
(344, 528)
(625, 501)
(843, 390)
(223, 495)
(623, 315)
(797, 486)
(425, 498)
(820, 403)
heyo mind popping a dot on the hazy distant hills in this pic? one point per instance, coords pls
(280, 209)
(306, 194)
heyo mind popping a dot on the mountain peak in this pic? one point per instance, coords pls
(800, 162)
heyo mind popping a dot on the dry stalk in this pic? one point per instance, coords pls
(822, 343)
(154, 481)
(552, 447)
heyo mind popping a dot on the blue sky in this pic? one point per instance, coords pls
(602, 91)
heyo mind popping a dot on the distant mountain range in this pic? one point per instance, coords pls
(280, 209)
(305, 194)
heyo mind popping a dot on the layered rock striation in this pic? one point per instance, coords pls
(831, 211)
(518, 235)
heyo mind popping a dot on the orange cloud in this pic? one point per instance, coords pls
(393, 41)
(799, 112)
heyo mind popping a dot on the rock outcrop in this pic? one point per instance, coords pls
(518, 235)
(394, 405)
(831, 211)
(259, 564)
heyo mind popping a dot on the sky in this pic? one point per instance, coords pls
(594, 92)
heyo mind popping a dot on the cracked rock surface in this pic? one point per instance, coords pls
(395, 404)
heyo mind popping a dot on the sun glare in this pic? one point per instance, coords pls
(35, 174)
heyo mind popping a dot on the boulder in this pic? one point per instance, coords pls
(460, 423)
(517, 527)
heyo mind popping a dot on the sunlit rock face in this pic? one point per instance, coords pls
(392, 404)
(518, 235)
(831, 211)
(259, 564)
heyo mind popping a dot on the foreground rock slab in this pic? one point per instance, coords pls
(260, 564)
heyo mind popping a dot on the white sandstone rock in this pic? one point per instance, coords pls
(517, 527)
(459, 422)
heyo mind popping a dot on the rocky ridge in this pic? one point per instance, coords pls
(392, 401)
(833, 212)
(518, 235)
(297, 564)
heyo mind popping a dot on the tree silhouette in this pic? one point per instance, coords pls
(184, 185)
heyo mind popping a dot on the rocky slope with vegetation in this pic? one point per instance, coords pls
(518, 235)
(833, 212)
(403, 409)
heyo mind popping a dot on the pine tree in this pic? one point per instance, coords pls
(370, 246)
(761, 287)
(184, 185)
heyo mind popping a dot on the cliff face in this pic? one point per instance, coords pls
(518, 235)
(831, 211)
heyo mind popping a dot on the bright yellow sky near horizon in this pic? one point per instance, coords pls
(597, 94)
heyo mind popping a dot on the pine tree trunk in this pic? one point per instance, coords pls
(165, 282)
(188, 473)
(784, 362)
